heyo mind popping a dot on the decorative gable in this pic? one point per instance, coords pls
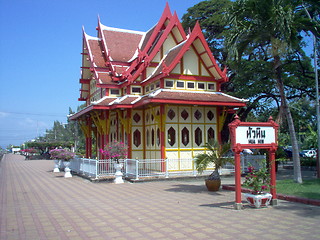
(121, 62)
(191, 63)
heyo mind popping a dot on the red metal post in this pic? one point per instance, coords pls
(272, 161)
(162, 137)
(237, 165)
(129, 135)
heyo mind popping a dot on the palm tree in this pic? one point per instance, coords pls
(215, 155)
(272, 24)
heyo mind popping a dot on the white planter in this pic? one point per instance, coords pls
(118, 174)
(67, 171)
(258, 201)
(56, 165)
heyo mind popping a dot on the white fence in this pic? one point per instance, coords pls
(93, 168)
(152, 168)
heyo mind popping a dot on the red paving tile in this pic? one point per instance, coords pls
(36, 203)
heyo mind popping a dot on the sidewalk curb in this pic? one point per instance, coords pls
(314, 202)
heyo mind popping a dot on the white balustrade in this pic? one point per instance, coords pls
(151, 168)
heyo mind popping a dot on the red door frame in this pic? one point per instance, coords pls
(239, 147)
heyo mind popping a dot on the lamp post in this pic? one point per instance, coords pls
(317, 93)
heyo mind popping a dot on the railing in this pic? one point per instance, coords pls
(93, 168)
(84, 166)
(137, 168)
(152, 168)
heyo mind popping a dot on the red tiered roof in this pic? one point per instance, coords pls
(116, 58)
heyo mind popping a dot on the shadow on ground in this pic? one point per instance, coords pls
(191, 189)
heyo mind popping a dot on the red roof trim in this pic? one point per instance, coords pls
(196, 33)
(83, 111)
(187, 102)
(84, 81)
(174, 21)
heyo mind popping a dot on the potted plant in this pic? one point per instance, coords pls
(64, 155)
(214, 155)
(116, 151)
(259, 182)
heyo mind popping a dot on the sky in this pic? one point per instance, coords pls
(40, 61)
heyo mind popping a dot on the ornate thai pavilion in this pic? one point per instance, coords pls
(158, 91)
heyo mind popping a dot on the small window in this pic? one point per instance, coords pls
(136, 89)
(211, 86)
(184, 114)
(114, 91)
(190, 85)
(169, 84)
(152, 87)
(147, 88)
(158, 84)
(210, 115)
(171, 114)
(136, 117)
(197, 114)
(201, 86)
(180, 84)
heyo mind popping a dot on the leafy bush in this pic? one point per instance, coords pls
(61, 154)
(258, 180)
(115, 151)
(308, 162)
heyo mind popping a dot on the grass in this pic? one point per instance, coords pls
(308, 189)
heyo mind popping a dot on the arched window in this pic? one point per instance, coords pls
(171, 136)
(210, 134)
(137, 138)
(148, 137)
(198, 136)
(185, 136)
(158, 137)
(152, 137)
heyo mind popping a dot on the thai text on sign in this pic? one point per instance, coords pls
(255, 135)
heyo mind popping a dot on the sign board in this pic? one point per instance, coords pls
(255, 135)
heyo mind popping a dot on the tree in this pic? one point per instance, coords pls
(210, 15)
(274, 25)
(44, 147)
(249, 76)
(68, 133)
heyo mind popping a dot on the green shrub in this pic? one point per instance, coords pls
(308, 162)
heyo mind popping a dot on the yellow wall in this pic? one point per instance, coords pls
(191, 124)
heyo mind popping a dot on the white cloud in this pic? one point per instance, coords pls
(3, 114)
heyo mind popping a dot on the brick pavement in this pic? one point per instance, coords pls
(36, 203)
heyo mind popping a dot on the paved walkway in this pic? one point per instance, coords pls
(36, 203)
